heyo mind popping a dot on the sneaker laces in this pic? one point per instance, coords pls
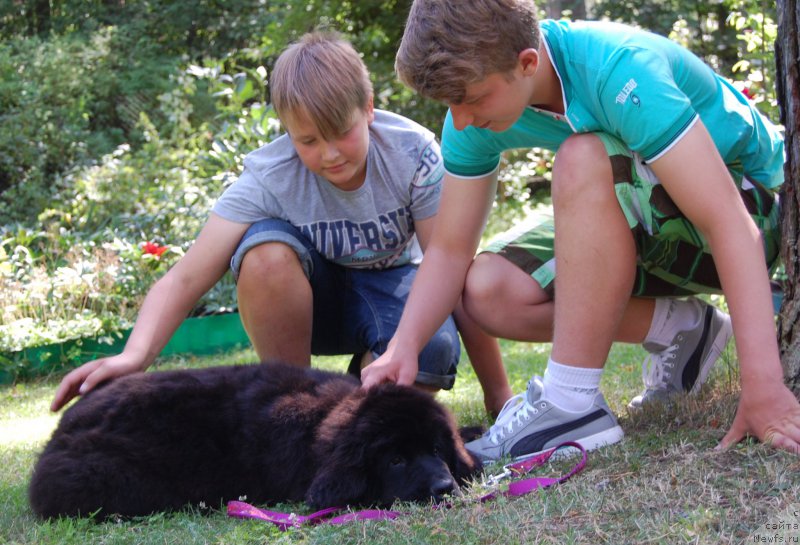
(515, 411)
(657, 366)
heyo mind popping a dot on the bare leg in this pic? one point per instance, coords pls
(595, 254)
(507, 303)
(276, 304)
(484, 354)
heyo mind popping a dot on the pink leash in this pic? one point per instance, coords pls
(284, 521)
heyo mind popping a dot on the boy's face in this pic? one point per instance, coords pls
(343, 160)
(497, 101)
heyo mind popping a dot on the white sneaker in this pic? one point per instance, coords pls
(530, 423)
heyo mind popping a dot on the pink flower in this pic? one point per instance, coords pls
(748, 93)
(153, 248)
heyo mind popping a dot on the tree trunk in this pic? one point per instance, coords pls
(788, 81)
(40, 16)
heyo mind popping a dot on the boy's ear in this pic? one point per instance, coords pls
(370, 110)
(528, 61)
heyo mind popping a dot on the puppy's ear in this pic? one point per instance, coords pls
(466, 465)
(336, 486)
(469, 433)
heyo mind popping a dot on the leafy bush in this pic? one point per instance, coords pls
(117, 226)
(123, 122)
(43, 107)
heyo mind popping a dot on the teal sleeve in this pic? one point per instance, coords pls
(642, 102)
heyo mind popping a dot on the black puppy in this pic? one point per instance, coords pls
(271, 433)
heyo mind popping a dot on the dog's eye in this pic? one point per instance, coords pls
(397, 461)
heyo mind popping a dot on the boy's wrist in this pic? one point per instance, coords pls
(140, 356)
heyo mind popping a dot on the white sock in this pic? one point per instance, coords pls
(571, 388)
(670, 317)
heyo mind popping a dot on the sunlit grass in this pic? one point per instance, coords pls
(663, 483)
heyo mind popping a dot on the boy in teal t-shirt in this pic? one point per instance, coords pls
(663, 186)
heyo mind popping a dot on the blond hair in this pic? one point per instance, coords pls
(320, 77)
(448, 45)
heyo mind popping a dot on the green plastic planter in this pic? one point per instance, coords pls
(198, 336)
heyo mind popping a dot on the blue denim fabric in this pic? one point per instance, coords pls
(356, 310)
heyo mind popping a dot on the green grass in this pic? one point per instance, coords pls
(663, 484)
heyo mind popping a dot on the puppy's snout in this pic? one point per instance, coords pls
(441, 487)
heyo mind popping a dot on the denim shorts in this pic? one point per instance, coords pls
(357, 310)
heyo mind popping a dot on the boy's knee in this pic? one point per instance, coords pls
(444, 348)
(580, 161)
(439, 358)
(481, 285)
(581, 149)
(271, 263)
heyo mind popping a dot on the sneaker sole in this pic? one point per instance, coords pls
(590, 442)
(717, 347)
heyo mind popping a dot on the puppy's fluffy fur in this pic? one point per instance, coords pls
(270, 432)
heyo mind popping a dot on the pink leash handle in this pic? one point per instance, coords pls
(284, 521)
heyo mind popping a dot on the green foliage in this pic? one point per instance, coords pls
(757, 32)
(63, 102)
(44, 112)
(122, 122)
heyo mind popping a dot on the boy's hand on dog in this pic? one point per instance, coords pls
(390, 367)
(81, 380)
(771, 417)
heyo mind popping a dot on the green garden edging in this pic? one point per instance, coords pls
(198, 336)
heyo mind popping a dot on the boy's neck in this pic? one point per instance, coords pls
(547, 94)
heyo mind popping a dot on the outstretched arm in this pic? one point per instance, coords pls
(482, 349)
(164, 308)
(696, 178)
(463, 209)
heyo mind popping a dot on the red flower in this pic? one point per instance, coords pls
(153, 248)
(748, 93)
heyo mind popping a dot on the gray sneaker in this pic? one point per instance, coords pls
(530, 423)
(683, 366)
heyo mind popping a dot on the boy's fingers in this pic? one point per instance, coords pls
(378, 373)
(735, 435)
(727, 442)
(783, 442)
(89, 383)
(64, 393)
(407, 377)
(369, 376)
(101, 374)
(786, 437)
(71, 384)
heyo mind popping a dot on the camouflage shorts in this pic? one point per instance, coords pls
(673, 258)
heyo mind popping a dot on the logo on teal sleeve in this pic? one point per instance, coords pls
(626, 91)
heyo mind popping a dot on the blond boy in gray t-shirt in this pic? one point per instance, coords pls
(322, 230)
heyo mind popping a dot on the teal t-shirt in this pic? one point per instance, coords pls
(638, 86)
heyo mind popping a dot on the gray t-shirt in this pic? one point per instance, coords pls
(370, 227)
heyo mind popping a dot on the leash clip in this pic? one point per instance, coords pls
(494, 480)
